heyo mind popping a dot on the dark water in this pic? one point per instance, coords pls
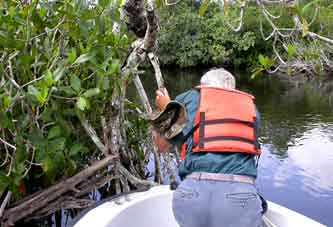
(296, 167)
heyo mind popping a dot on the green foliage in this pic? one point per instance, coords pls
(291, 50)
(188, 38)
(66, 61)
(196, 34)
(264, 63)
(203, 7)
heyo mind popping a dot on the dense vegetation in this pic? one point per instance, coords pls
(189, 39)
(59, 69)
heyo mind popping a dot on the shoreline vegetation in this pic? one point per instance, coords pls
(67, 126)
(188, 39)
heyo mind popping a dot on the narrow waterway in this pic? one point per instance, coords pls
(296, 167)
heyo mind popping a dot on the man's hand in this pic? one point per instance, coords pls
(162, 98)
(160, 142)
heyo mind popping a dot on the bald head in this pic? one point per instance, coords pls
(219, 78)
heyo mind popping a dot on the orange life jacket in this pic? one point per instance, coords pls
(224, 122)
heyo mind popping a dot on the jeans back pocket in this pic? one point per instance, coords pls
(241, 199)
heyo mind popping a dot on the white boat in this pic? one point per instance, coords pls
(152, 208)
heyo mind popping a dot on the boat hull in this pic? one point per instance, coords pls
(153, 208)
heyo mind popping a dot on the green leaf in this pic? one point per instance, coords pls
(115, 67)
(40, 95)
(82, 103)
(4, 102)
(11, 11)
(305, 28)
(159, 4)
(6, 120)
(78, 149)
(46, 116)
(48, 78)
(291, 50)
(308, 7)
(71, 167)
(265, 61)
(17, 172)
(4, 181)
(75, 83)
(37, 139)
(54, 132)
(203, 7)
(226, 7)
(75, 149)
(67, 90)
(104, 3)
(58, 73)
(57, 144)
(91, 92)
(82, 58)
(21, 153)
(32, 90)
(71, 56)
(47, 164)
(262, 59)
(119, 2)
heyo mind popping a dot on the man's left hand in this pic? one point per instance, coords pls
(162, 98)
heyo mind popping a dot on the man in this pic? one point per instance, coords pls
(220, 151)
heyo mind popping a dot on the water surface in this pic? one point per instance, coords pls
(296, 165)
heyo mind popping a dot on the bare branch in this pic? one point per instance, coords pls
(5, 202)
(93, 135)
(277, 53)
(156, 65)
(314, 16)
(322, 38)
(41, 199)
(135, 181)
(171, 3)
(152, 28)
(241, 17)
(33, 81)
(7, 144)
(271, 15)
(142, 94)
(49, 30)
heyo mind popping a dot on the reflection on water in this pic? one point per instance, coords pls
(296, 167)
(310, 159)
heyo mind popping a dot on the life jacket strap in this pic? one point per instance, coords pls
(235, 138)
(229, 120)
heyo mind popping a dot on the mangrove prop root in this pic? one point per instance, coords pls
(42, 199)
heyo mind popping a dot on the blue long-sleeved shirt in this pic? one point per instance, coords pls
(228, 163)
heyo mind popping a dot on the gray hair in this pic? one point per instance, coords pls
(219, 78)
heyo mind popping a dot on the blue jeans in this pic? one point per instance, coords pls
(205, 203)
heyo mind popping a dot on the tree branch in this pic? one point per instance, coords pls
(41, 199)
(243, 4)
(132, 13)
(5, 202)
(142, 94)
(322, 38)
(93, 135)
(156, 65)
(8, 144)
(135, 181)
